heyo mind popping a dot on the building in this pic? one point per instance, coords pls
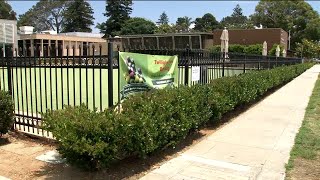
(8, 37)
(49, 43)
(254, 36)
(170, 41)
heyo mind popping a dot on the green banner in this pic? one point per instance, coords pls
(141, 72)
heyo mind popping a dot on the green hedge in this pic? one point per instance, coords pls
(272, 51)
(255, 49)
(155, 120)
(6, 112)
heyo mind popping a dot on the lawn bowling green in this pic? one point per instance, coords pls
(38, 89)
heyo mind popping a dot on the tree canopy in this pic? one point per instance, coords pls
(308, 48)
(165, 28)
(207, 23)
(183, 24)
(78, 17)
(45, 15)
(138, 25)
(297, 16)
(117, 12)
(163, 19)
(236, 20)
(6, 11)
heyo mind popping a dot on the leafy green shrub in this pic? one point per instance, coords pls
(157, 119)
(272, 51)
(254, 49)
(215, 48)
(6, 112)
(87, 138)
(234, 48)
(238, 48)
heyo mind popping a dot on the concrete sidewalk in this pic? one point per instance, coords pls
(255, 145)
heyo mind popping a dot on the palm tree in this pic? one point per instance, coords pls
(183, 23)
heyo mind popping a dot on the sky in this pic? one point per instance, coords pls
(152, 9)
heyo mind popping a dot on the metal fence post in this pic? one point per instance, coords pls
(244, 64)
(110, 73)
(223, 61)
(186, 67)
(118, 55)
(9, 60)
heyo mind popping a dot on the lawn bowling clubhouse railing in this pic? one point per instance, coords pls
(46, 81)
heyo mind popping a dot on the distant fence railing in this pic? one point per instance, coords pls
(41, 83)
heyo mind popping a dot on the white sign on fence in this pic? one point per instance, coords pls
(195, 73)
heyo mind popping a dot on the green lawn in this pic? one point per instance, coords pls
(38, 89)
(45, 88)
(304, 162)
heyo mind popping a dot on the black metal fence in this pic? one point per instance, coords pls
(40, 83)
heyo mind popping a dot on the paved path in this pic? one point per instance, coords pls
(255, 145)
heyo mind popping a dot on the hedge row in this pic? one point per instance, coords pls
(6, 112)
(238, 48)
(155, 120)
(255, 49)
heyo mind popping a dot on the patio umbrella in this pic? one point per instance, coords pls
(278, 51)
(224, 41)
(284, 53)
(265, 49)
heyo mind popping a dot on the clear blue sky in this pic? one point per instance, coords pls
(174, 9)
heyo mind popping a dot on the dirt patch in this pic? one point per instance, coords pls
(18, 153)
(18, 156)
(305, 169)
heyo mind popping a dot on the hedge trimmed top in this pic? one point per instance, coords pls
(255, 49)
(157, 119)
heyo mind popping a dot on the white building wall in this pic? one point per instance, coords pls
(8, 33)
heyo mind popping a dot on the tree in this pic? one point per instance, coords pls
(163, 19)
(207, 23)
(237, 20)
(78, 17)
(45, 15)
(165, 28)
(138, 25)
(6, 11)
(297, 16)
(183, 24)
(118, 12)
(308, 49)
